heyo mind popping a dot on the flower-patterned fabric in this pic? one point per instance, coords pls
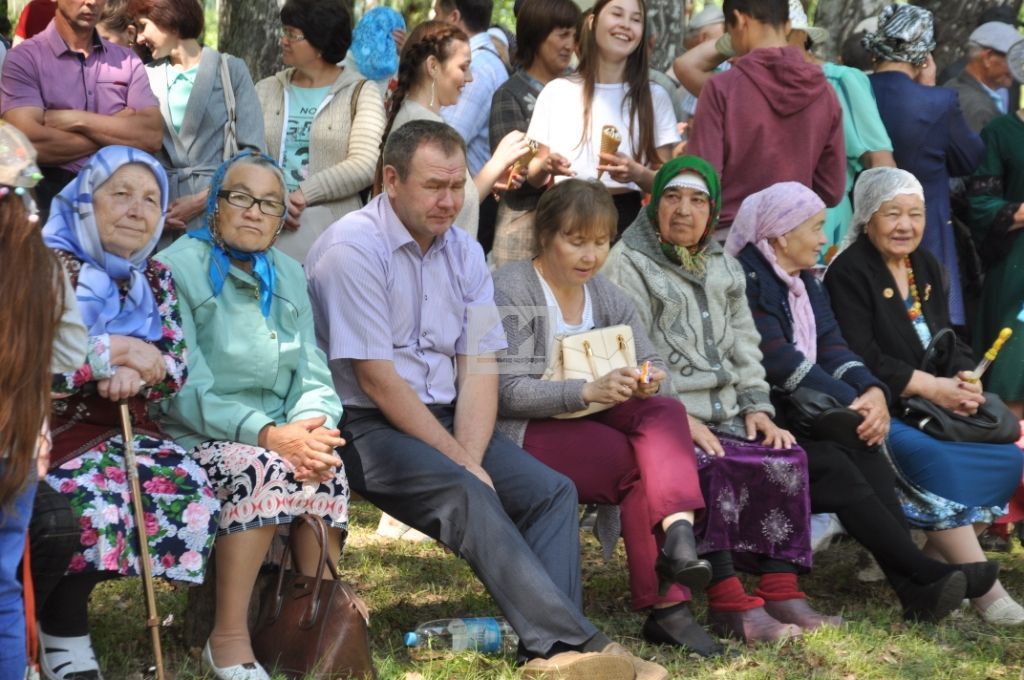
(179, 504)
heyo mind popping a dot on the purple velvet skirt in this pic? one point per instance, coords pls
(758, 504)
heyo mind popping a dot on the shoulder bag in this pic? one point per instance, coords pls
(590, 355)
(310, 627)
(993, 423)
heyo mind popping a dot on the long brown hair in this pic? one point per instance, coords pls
(428, 39)
(638, 87)
(32, 288)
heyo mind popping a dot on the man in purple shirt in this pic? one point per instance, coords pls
(71, 93)
(404, 309)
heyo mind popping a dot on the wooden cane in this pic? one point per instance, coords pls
(153, 621)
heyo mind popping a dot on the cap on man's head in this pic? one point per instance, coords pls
(709, 16)
(996, 35)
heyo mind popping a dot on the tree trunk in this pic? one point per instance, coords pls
(248, 29)
(954, 22)
(665, 23)
(840, 17)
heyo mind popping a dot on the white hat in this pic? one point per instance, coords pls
(798, 22)
(709, 16)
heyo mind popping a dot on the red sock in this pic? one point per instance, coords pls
(728, 596)
(779, 586)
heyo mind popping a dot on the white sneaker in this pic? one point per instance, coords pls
(64, 656)
(1003, 612)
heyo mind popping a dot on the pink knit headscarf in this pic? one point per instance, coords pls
(768, 214)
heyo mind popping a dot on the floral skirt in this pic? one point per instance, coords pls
(758, 504)
(256, 487)
(178, 503)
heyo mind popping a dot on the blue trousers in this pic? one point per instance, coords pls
(13, 526)
(522, 542)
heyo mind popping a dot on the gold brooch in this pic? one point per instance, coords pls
(887, 293)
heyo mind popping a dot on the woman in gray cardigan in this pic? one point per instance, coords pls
(636, 453)
(208, 102)
(691, 300)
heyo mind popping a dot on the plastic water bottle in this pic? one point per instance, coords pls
(486, 635)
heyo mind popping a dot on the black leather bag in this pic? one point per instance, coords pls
(311, 627)
(993, 423)
(820, 416)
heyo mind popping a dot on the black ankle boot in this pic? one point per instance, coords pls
(933, 601)
(981, 576)
(678, 561)
(676, 626)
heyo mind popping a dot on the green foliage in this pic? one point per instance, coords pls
(405, 584)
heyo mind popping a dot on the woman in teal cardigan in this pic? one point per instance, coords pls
(258, 411)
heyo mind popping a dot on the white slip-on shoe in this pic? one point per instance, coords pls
(1003, 612)
(241, 671)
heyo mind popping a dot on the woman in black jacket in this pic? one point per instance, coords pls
(889, 297)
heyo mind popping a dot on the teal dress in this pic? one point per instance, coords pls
(863, 131)
(996, 193)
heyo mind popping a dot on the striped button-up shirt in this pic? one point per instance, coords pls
(377, 296)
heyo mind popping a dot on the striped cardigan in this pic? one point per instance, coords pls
(343, 149)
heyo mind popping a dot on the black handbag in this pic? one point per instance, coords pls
(993, 423)
(820, 416)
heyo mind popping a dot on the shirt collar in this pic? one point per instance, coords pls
(481, 40)
(52, 38)
(994, 96)
(398, 236)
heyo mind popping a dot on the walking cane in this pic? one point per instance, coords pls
(153, 622)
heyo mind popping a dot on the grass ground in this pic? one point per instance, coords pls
(405, 584)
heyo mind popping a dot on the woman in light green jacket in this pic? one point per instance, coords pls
(258, 410)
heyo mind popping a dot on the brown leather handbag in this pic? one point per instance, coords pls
(311, 627)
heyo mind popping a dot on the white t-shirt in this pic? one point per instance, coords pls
(557, 122)
(561, 326)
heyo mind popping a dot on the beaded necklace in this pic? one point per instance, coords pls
(915, 309)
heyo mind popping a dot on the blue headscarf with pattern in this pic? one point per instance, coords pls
(72, 227)
(221, 253)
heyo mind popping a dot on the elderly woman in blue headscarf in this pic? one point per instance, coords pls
(259, 410)
(103, 227)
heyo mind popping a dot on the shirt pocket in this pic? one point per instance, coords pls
(110, 95)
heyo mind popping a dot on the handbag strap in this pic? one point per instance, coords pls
(927, 361)
(353, 103)
(319, 528)
(230, 133)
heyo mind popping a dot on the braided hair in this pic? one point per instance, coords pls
(428, 39)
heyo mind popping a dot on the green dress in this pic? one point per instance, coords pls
(997, 190)
(863, 131)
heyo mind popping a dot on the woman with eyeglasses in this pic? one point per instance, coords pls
(258, 412)
(323, 125)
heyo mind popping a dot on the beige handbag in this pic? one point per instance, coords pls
(590, 355)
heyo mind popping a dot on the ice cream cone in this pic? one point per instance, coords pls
(610, 140)
(522, 163)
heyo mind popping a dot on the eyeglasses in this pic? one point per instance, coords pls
(240, 199)
(291, 36)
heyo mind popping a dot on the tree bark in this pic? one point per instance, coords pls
(665, 23)
(954, 22)
(248, 29)
(840, 17)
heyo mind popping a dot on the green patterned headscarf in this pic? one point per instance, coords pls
(691, 259)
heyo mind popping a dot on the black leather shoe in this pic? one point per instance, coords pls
(678, 561)
(676, 626)
(933, 601)
(981, 576)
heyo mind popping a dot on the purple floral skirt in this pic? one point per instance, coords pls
(758, 504)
